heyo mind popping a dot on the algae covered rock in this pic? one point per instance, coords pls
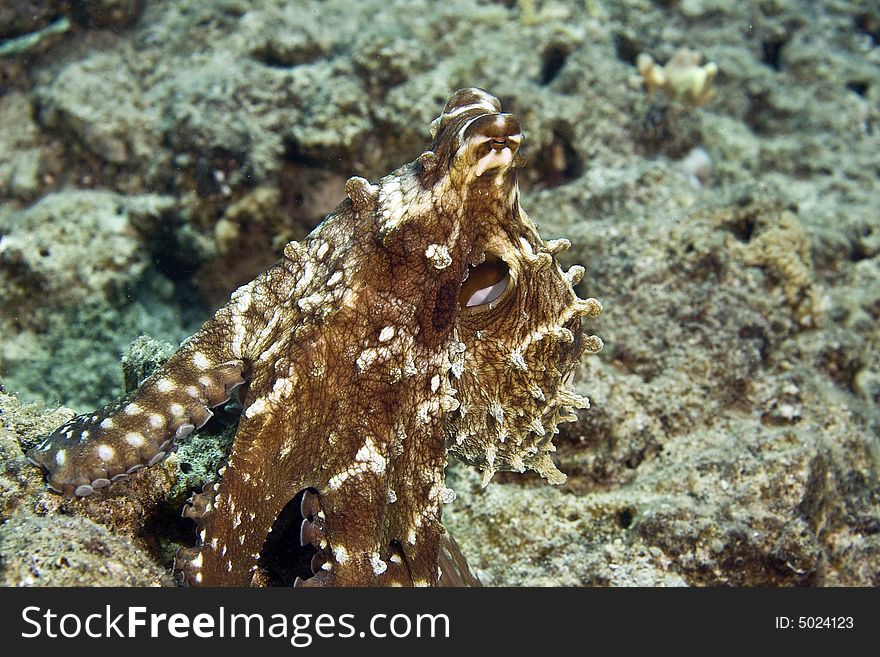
(73, 246)
(71, 551)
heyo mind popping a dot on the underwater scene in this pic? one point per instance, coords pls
(476, 292)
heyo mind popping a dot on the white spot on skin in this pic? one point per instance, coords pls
(105, 452)
(201, 361)
(497, 412)
(60, 457)
(366, 359)
(378, 565)
(386, 334)
(305, 277)
(490, 457)
(322, 250)
(446, 495)
(526, 248)
(259, 406)
(132, 409)
(435, 383)
(517, 361)
(134, 439)
(192, 391)
(369, 454)
(340, 554)
(310, 303)
(516, 463)
(335, 482)
(106, 423)
(335, 277)
(281, 388)
(164, 385)
(367, 459)
(157, 421)
(439, 256)
(449, 402)
(242, 299)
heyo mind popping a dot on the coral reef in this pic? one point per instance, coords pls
(42, 250)
(683, 78)
(107, 14)
(29, 154)
(72, 551)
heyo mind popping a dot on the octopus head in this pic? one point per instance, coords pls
(517, 337)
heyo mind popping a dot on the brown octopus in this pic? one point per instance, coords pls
(425, 315)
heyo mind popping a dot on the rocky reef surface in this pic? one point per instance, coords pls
(153, 156)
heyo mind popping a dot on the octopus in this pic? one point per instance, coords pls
(425, 316)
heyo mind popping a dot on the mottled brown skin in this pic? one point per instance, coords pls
(365, 356)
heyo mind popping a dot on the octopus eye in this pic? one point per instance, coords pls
(485, 283)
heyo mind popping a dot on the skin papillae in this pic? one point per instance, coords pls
(424, 316)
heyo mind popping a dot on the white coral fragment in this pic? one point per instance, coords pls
(683, 78)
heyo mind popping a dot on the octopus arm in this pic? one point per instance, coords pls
(93, 450)
(235, 516)
(374, 476)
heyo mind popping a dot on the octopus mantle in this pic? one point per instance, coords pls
(424, 315)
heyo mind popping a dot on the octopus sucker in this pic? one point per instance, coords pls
(425, 316)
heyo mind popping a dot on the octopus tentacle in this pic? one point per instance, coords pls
(455, 571)
(353, 516)
(93, 450)
(199, 508)
(242, 511)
